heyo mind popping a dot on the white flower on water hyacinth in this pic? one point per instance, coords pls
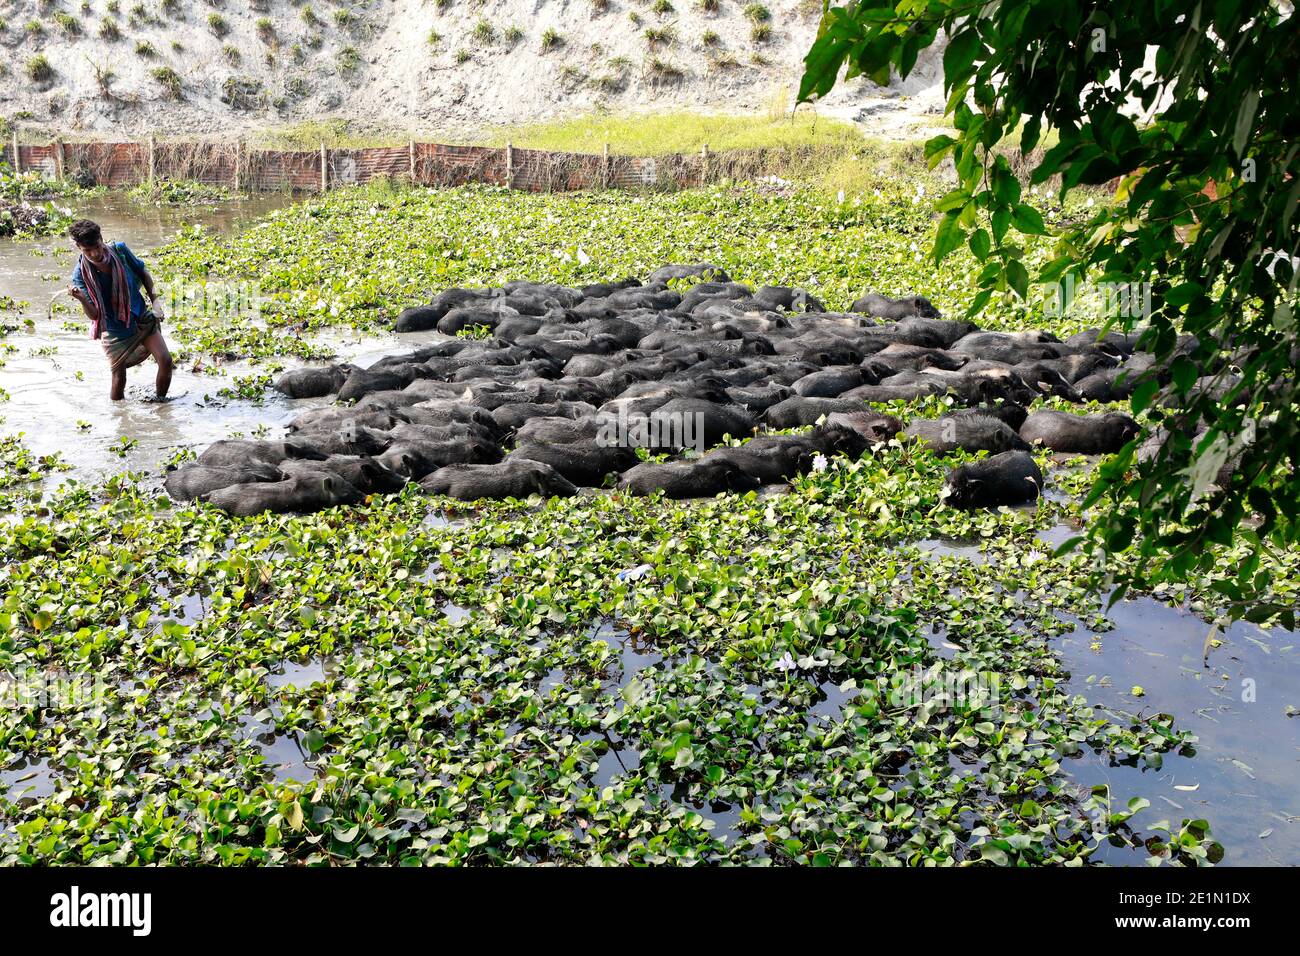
(786, 663)
(583, 258)
(820, 462)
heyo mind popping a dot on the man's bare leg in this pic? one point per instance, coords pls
(158, 349)
(117, 384)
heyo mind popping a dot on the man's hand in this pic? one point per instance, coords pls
(78, 295)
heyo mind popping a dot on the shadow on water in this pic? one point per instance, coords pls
(1235, 697)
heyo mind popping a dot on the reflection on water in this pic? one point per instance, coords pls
(1234, 697)
(26, 780)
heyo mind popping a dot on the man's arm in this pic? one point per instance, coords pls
(141, 270)
(77, 289)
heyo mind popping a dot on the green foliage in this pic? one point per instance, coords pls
(550, 40)
(169, 80)
(108, 30)
(1205, 202)
(218, 25)
(38, 68)
(178, 192)
(68, 25)
(757, 13)
(145, 50)
(660, 36)
(513, 34)
(484, 32)
(416, 680)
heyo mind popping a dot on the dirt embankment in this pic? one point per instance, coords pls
(421, 66)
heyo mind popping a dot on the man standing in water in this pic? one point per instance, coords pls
(107, 281)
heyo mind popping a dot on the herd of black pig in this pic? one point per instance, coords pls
(571, 380)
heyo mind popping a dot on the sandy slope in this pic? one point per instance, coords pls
(402, 83)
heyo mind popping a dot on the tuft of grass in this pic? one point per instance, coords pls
(145, 50)
(761, 32)
(109, 30)
(663, 70)
(435, 38)
(550, 40)
(463, 56)
(231, 54)
(660, 36)
(309, 16)
(265, 29)
(513, 34)
(68, 25)
(344, 18)
(710, 38)
(599, 6)
(757, 13)
(218, 25)
(484, 32)
(38, 69)
(662, 7)
(709, 6)
(168, 79)
(34, 28)
(349, 60)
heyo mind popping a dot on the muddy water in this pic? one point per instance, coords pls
(57, 378)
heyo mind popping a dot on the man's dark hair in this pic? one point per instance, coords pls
(85, 233)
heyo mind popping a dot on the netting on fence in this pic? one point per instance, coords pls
(429, 164)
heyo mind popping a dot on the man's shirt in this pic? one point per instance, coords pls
(134, 269)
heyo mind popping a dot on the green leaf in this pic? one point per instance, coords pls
(1028, 220)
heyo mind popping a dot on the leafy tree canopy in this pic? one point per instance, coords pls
(1189, 106)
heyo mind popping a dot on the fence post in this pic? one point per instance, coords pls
(239, 162)
(324, 168)
(153, 159)
(410, 154)
(510, 166)
(704, 164)
(58, 158)
(604, 168)
(18, 163)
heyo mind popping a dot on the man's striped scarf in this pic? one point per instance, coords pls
(121, 297)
